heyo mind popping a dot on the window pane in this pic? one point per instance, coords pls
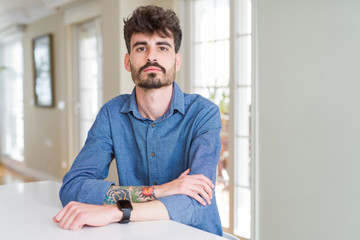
(222, 198)
(88, 42)
(89, 104)
(243, 212)
(89, 86)
(88, 69)
(11, 96)
(244, 17)
(204, 16)
(204, 64)
(222, 63)
(244, 60)
(242, 172)
(244, 106)
(222, 17)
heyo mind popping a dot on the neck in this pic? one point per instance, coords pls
(153, 103)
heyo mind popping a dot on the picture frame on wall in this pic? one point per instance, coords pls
(43, 70)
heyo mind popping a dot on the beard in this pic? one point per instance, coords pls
(153, 80)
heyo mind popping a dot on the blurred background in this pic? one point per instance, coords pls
(285, 74)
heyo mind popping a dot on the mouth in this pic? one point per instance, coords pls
(152, 69)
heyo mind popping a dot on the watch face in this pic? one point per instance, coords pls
(125, 204)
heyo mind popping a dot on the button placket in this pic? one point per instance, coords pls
(151, 153)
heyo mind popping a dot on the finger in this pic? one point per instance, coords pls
(67, 219)
(77, 223)
(59, 215)
(199, 185)
(208, 190)
(205, 195)
(185, 173)
(207, 180)
(63, 211)
(200, 191)
(203, 178)
(55, 220)
(197, 197)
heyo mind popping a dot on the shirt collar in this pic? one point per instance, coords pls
(177, 104)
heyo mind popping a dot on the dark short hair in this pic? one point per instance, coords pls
(152, 19)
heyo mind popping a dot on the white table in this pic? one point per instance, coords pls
(27, 209)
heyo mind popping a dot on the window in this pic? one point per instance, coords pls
(89, 85)
(11, 96)
(220, 70)
(242, 117)
(210, 78)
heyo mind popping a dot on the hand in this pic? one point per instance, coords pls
(75, 215)
(195, 186)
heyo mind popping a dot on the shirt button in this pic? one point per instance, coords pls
(152, 154)
(153, 125)
(154, 183)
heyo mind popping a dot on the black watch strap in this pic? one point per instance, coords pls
(126, 207)
(126, 216)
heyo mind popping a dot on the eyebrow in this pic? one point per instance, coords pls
(145, 43)
(164, 43)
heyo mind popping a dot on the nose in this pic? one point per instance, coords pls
(151, 57)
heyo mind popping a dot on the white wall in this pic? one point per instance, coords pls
(308, 119)
(45, 131)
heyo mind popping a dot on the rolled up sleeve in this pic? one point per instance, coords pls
(85, 180)
(203, 159)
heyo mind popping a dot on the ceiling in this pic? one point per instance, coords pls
(14, 12)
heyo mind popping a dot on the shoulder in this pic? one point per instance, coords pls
(196, 102)
(202, 113)
(201, 110)
(116, 103)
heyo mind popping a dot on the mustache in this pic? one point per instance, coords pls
(152, 64)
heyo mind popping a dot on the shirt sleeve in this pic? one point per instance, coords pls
(85, 180)
(203, 159)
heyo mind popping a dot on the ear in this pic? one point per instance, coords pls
(127, 62)
(178, 61)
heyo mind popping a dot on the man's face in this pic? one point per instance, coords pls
(152, 60)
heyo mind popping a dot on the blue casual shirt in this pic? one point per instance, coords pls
(150, 152)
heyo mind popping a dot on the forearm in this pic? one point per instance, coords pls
(144, 211)
(139, 194)
(81, 189)
(186, 210)
(75, 215)
(147, 211)
(135, 194)
(196, 186)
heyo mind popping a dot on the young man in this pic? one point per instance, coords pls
(166, 144)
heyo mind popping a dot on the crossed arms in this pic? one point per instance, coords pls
(89, 200)
(75, 215)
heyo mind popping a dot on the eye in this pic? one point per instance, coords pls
(140, 49)
(163, 49)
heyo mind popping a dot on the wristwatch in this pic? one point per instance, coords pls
(126, 207)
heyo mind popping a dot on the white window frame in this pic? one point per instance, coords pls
(78, 142)
(234, 74)
(235, 124)
(10, 37)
